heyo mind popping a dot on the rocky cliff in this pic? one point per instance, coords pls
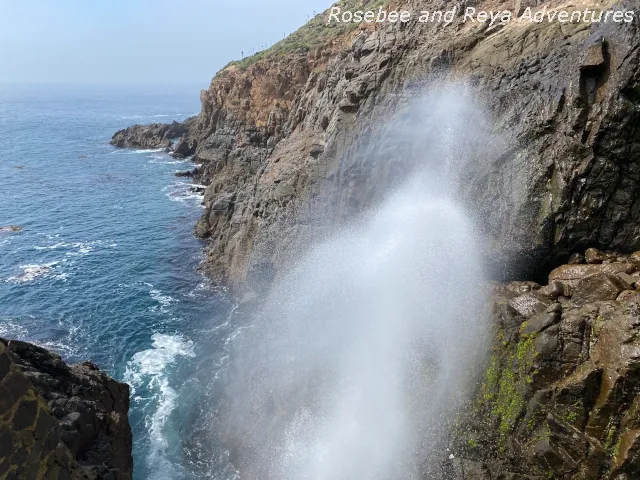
(279, 130)
(60, 421)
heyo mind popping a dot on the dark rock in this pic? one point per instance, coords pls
(593, 255)
(567, 381)
(184, 148)
(25, 415)
(554, 290)
(155, 135)
(93, 408)
(540, 322)
(530, 304)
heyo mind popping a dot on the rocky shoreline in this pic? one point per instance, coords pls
(60, 421)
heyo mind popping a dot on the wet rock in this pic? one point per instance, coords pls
(593, 255)
(186, 173)
(530, 303)
(576, 259)
(185, 147)
(554, 290)
(573, 273)
(540, 322)
(566, 381)
(595, 288)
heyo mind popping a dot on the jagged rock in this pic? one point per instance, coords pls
(595, 56)
(559, 398)
(521, 5)
(563, 96)
(564, 101)
(185, 147)
(188, 173)
(530, 304)
(60, 421)
(554, 290)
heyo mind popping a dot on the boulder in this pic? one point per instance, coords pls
(572, 273)
(593, 255)
(595, 288)
(530, 303)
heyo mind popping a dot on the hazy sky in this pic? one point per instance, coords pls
(138, 41)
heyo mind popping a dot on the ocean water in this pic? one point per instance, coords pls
(104, 266)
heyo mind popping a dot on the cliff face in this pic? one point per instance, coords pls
(281, 132)
(59, 421)
(275, 134)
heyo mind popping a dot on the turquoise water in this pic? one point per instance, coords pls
(104, 268)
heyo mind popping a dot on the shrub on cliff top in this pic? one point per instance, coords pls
(315, 33)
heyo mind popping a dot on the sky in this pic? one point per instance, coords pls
(138, 41)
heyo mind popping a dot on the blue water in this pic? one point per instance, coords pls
(104, 268)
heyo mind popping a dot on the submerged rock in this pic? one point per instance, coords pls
(11, 229)
(60, 421)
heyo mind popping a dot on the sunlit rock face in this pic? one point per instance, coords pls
(278, 130)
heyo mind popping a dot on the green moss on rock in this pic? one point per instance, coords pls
(506, 382)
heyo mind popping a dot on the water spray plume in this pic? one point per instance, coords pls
(359, 357)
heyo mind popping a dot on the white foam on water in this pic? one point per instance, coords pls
(67, 346)
(183, 193)
(166, 159)
(165, 301)
(159, 115)
(82, 248)
(145, 150)
(11, 329)
(149, 370)
(51, 247)
(32, 271)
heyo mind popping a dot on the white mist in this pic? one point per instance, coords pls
(362, 353)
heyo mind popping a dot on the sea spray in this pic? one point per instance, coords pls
(354, 365)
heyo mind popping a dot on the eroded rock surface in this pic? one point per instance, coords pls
(59, 421)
